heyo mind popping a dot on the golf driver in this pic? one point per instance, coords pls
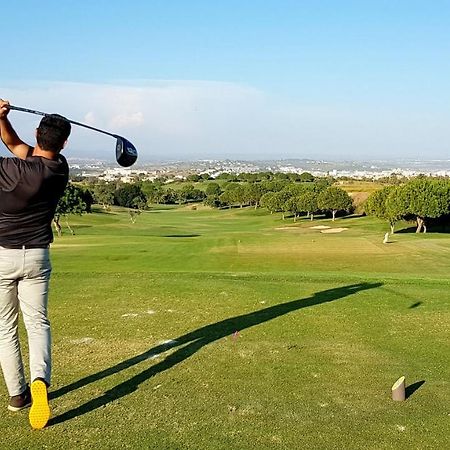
(126, 153)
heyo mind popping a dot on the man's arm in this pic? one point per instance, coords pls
(9, 136)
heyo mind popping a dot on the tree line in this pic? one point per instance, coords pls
(421, 199)
(276, 194)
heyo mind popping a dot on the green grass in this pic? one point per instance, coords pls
(285, 337)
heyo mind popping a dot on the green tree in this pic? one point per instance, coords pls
(274, 186)
(279, 200)
(212, 200)
(323, 183)
(197, 195)
(149, 188)
(334, 199)
(294, 177)
(304, 202)
(426, 198)
(307, 202)
(185, 193)
(213, 189)
(253, 193)
(227, 177)
(396, 206)
(281, 176)
(240, 195)
(293, 207)
(128, 195)
(265, 176)
(295, 189)
(226, 198)
(267, 201)
(248, 177)
(154, 192)
(70, 203)
(318, 185)
(385, 205)
(306, 177)
(103, 194)
(234, 194)
(194, 178)
(88, 198)
(167, 196)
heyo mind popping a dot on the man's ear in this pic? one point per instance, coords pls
(65, 143)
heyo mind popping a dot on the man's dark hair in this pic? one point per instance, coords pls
(53, 132)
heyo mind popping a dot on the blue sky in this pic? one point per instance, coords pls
(239, 79)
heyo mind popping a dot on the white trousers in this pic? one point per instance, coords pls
(24, 280)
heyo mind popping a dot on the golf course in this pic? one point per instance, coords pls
(198, 328)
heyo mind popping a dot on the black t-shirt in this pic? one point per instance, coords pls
(29, 192)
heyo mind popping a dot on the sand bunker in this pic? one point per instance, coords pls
(334, 230)
(321, 228)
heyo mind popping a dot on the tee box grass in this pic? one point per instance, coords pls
(206, 329)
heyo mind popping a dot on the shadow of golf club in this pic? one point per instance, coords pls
(181, 235)
(415, 305)
(192, 342)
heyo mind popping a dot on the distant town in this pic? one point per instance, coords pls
(178, 170)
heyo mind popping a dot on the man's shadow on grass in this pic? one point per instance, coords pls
(189, 344)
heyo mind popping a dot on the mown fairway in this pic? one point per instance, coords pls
(235, 330)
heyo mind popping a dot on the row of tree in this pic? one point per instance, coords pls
(216, 194)
(256, 177)
(140, 195)
(308, 201)
(246, 177)
(252, 193)
(419, 199)
(277, 196)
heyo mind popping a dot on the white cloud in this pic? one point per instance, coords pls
(89, 118)
(189, 119)
(170, 119)
(127, 120)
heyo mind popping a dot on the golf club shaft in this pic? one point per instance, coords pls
(40, 113)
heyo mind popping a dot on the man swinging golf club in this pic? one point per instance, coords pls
(30, 186)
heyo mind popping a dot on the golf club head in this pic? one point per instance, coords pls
(126, 153)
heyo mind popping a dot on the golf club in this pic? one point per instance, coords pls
(126, 153)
